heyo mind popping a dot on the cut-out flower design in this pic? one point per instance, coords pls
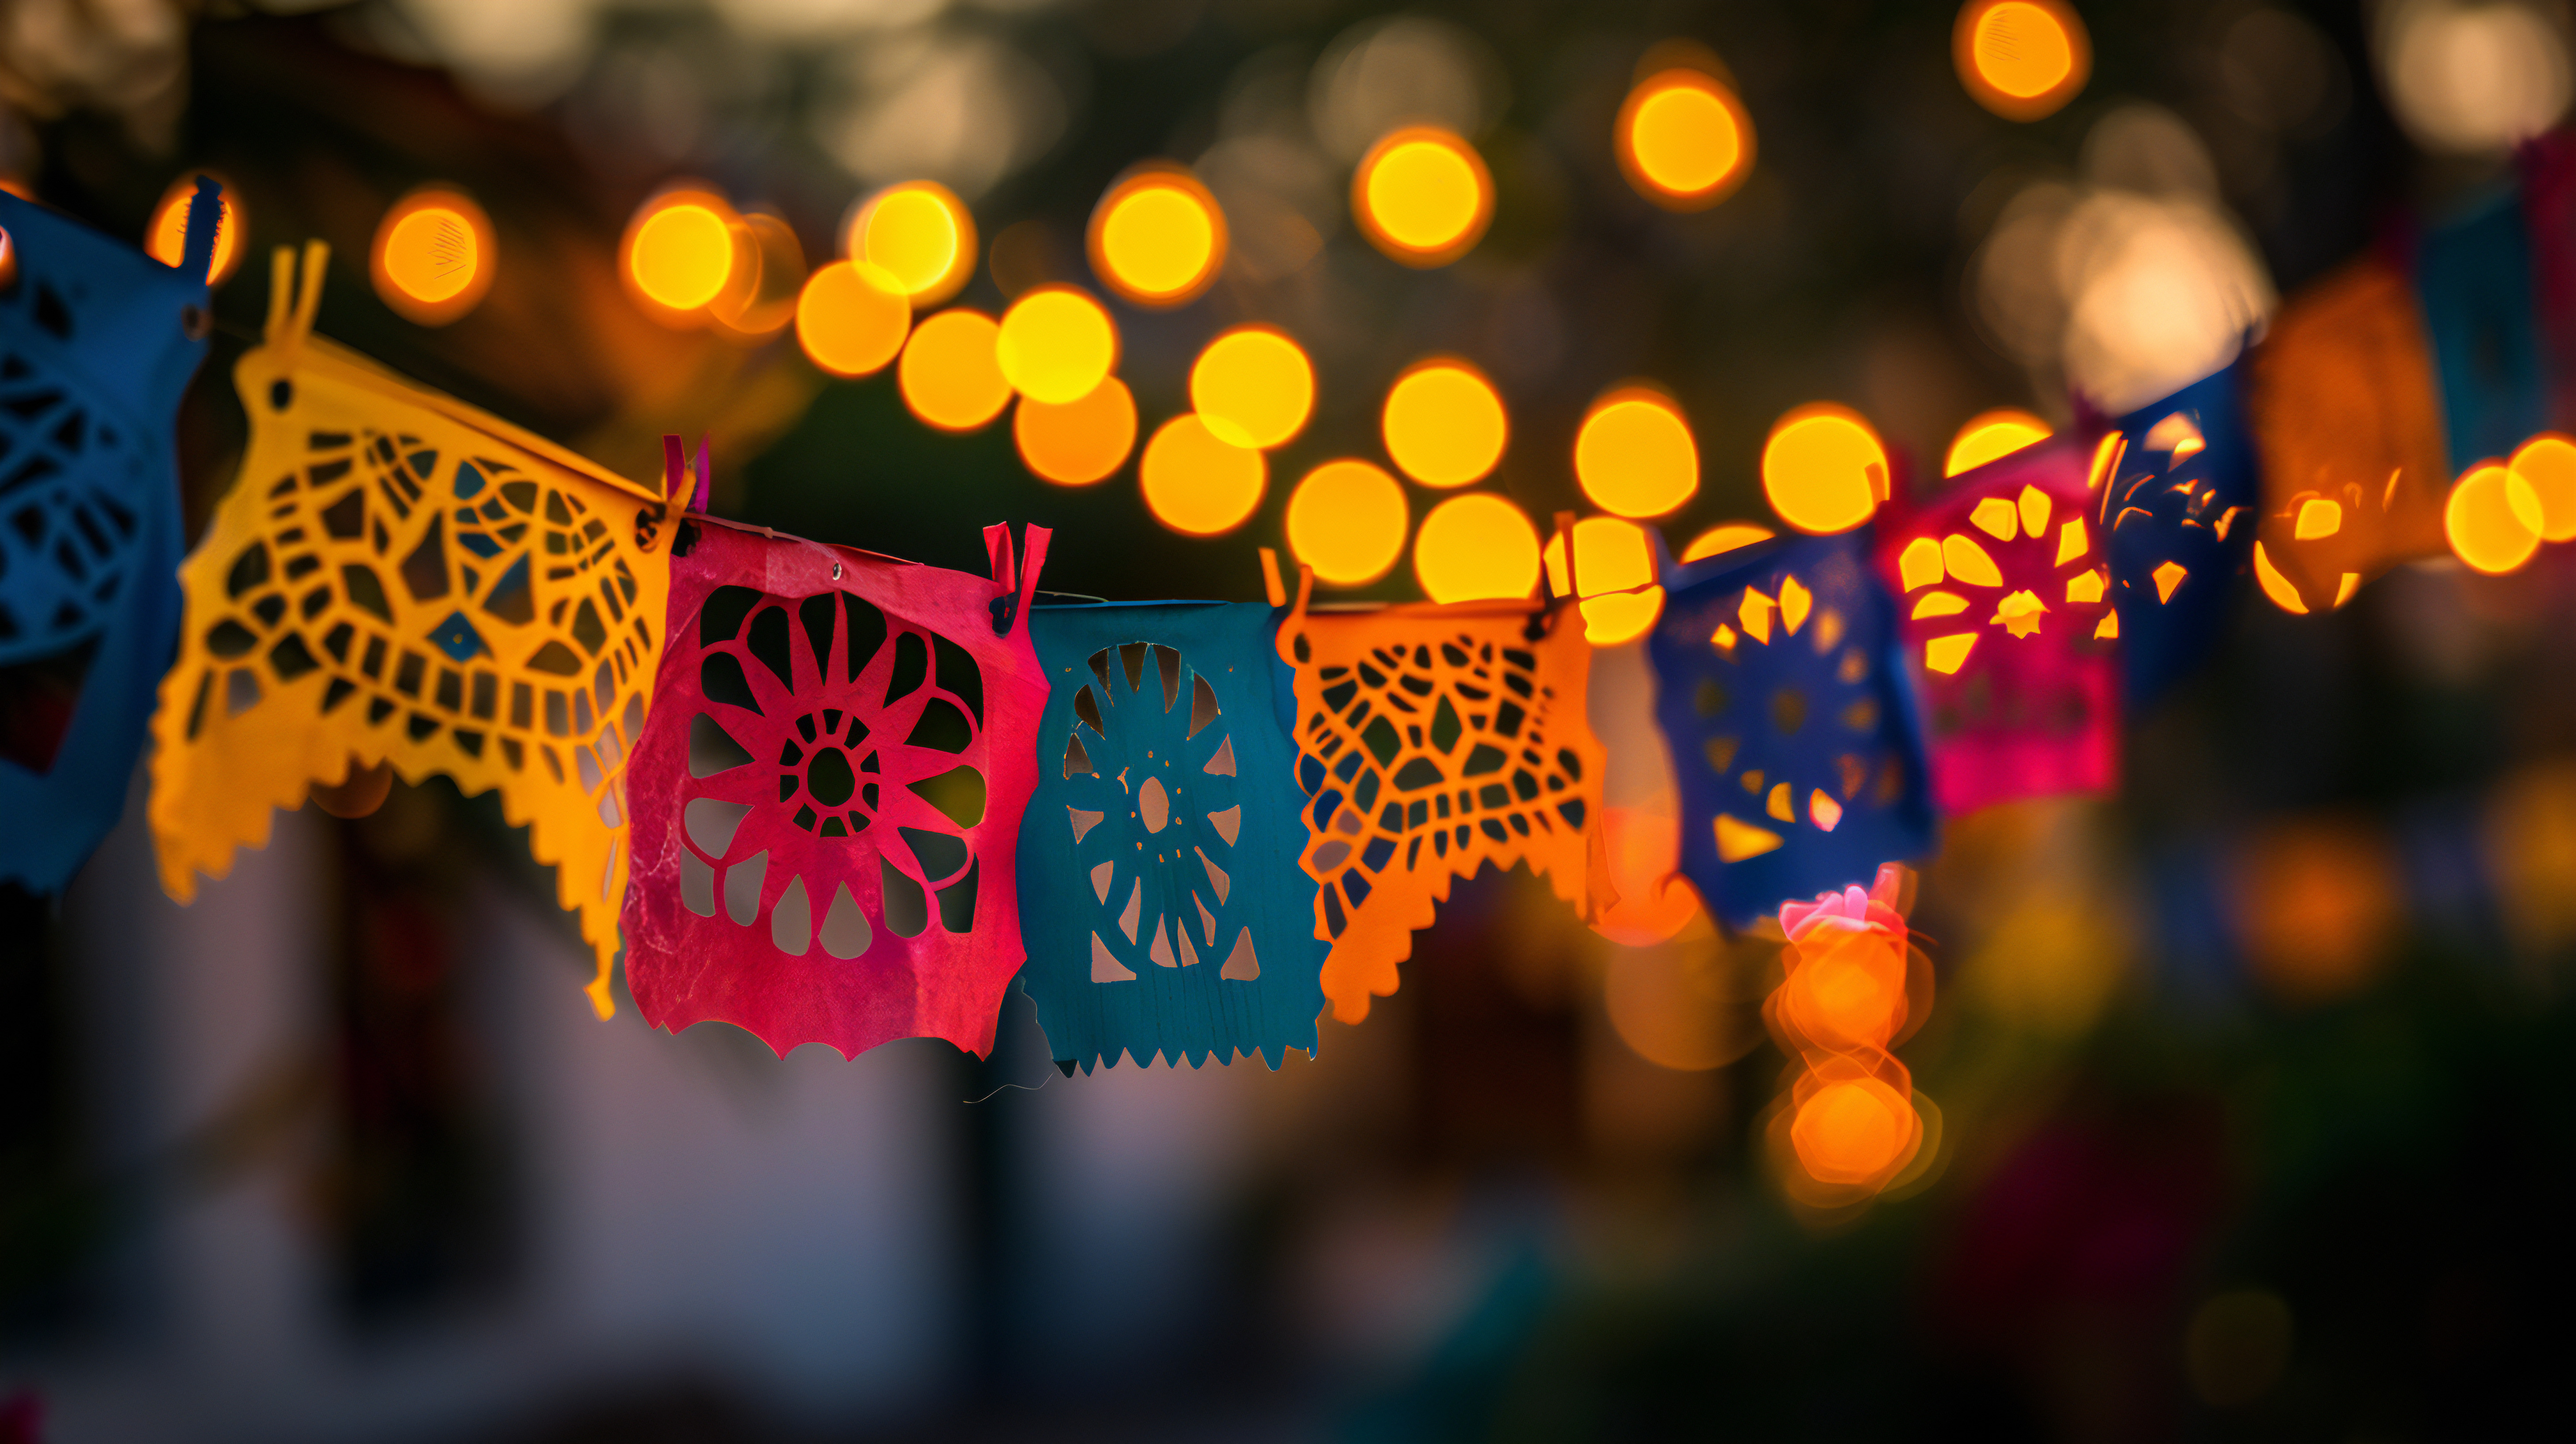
(1150, 798)
(827, 796)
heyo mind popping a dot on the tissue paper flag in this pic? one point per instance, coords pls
(1157, 845)
(2177, 519)
(828, 793)
(2341, 400)
(2474, 274)
(1434, 739)
(2008, 619)
(1781, 687)
(97, 340)
(399, 578)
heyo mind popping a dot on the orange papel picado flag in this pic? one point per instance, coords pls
(399, 578)
(1433, 739)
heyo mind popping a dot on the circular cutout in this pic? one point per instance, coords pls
(1423, 195)
(1477, 547)
(1684, 140)
(1056, 345)
(1635, 456)
(2493, 519)
(1253, 386)
(948, 374)
(1444, 424)
(1081, 441)
(1347, 520)
(1158, 237)
(920, 234)
(1823, 469)
(1197, 483)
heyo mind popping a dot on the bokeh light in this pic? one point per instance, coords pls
(166, 238)
(1423, 195)
(1198, 483)
(948, 374)
(1158, 237)
(1253, 386)
(1476, 547)
(1444, 423)
(679, 252)
(1684, 139)
(2021, 59)
(1991, 436)
(433, 257)
(1080, 441)
(852, 318)
(1855, 1131)
(769, 276)
(1056, 345)
(1635, 456)
(1824, 469)
(2472, 78)
(2547, 464)
(1725, 537)
(1347, 520)
(2493, 519)
(921, 234)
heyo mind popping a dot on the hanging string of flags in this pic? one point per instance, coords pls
(831, 796)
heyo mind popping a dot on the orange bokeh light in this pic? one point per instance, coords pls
(1854, 1130)
(1845, 987)
(1423, 195)
(2021, 59)
(1642, 848)
(1684, 139)
(1477, 547)
(852, 318)
(433, 257)
(1614, 574)
(948, 374)
(1196, 482)
(1635, 456)
(2547, 464)
(1056, 345)
(2493, 518)
(921, 234)
(1158, 237)
(768, 278)
(1444, 423)
(1081, 441)
(166, 238)
(1253, 386)
(1824, 469)
(679, 253)
(1347, 520)
(1991, 436)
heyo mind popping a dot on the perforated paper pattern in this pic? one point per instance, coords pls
(94, 352)
(1157, 845)
(2345, 411)
(1433, 740)
(828, 794)
(2005, 610)
(399, 578)
(1780, 685)
(2178, 515)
